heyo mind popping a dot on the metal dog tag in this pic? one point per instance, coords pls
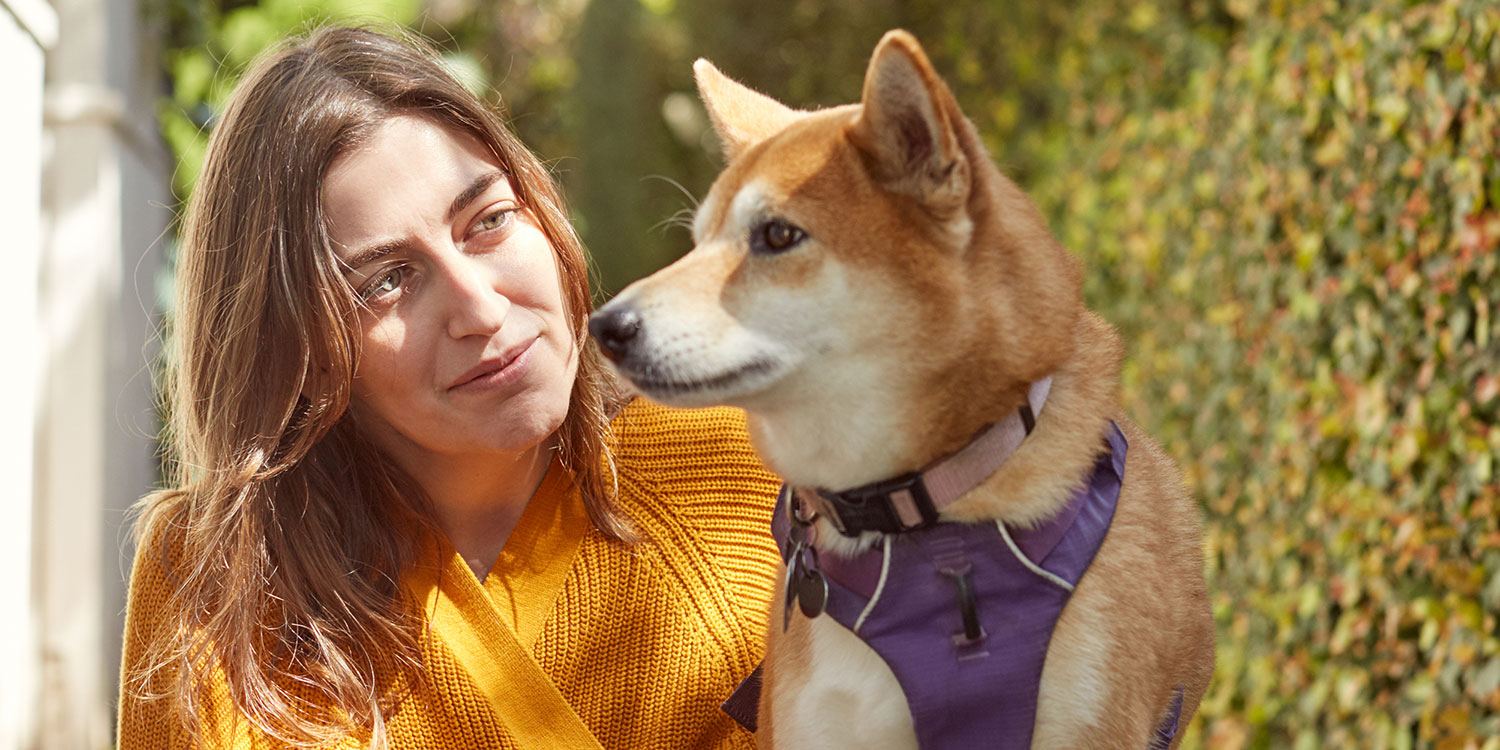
(797, 535)
(812, 593)
(812, 588)
(804, 583)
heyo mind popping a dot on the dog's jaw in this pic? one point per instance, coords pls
(677, 386)
(840, 423)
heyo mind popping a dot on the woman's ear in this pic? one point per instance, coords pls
(741, 117)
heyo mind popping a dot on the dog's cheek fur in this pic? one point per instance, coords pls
(893, 268)
(798, 273)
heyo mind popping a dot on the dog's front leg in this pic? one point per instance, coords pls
(826, 690)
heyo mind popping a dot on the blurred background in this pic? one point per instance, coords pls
(1290, 209)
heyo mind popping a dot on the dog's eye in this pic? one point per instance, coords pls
(774, 236)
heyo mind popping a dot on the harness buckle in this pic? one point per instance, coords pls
(891, 506)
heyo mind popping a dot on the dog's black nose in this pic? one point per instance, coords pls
(615, 330)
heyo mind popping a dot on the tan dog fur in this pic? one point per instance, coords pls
(925, 297)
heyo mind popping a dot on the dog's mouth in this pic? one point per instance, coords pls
(664, 382)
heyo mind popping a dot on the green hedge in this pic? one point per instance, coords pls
(1302, 256)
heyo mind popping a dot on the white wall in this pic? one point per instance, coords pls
(25, 31)
(103, 209)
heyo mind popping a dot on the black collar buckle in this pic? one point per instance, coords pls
(891, 506)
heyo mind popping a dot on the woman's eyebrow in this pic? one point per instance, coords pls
(475, 188)
(371, 253)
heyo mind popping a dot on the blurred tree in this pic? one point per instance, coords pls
(622, 140)
(208, 45)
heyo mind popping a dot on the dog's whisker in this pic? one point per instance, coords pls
(682, 218)
(685, 192)
(675, 220)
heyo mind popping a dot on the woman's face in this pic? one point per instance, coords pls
(466, 346)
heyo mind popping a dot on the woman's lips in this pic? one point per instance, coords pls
(498, 372)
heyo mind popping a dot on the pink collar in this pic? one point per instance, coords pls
(915, 500)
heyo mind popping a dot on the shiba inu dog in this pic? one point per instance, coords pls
(885, 304)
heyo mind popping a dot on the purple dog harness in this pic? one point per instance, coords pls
(961, 613)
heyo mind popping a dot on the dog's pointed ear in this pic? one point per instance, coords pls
(741, 117)
(907, 126)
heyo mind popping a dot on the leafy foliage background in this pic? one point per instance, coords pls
(1291, 209)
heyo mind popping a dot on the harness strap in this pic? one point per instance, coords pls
(1167, 730)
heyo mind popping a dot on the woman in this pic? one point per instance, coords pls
(400, 513)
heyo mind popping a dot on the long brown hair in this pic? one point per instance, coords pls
(275, 496)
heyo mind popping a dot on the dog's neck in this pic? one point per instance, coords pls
(915, 500)
(860, 432)
(1043, 473)
(837, 436)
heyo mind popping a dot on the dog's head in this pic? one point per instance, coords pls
(862, 254)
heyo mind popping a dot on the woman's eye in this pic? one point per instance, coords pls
(775, 236)
(384, 284)
(495, 220)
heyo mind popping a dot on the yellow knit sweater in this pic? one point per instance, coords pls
(572, 640)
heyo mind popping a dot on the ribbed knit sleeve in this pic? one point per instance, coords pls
(147, 719)
(694, 480)
(146, 723)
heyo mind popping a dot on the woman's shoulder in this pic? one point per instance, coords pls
(700, 495)
(160, 537)
(152, 609)
(690, 457)
(647, 432)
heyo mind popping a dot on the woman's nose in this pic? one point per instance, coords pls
(476, 306)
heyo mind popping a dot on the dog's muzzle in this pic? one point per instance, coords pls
(616, 329)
